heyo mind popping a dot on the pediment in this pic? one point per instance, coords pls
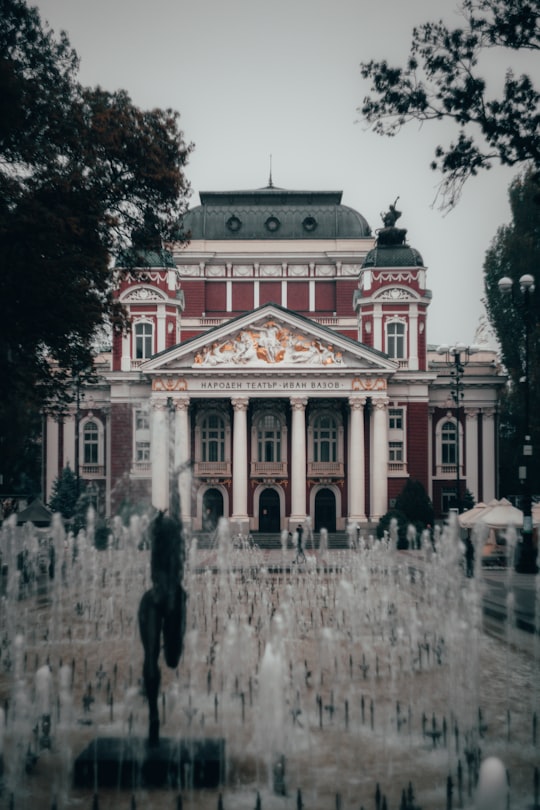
(270, 338)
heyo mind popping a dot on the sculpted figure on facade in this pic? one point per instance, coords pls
(271, 344)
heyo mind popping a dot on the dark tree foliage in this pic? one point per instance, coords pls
(415, 503)
(514, 252)
(80, 170)
(66, 491)
(443, 80)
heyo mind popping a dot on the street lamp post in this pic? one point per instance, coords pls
(526, 563)
(457, 358)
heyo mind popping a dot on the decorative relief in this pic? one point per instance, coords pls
(270, 270)
(215, 271)
(271, 343)
(138, 276)
(242, 270)
(396, 275)
(190, 269)
(350, 269)
(298, 270)
(143, 295)
(369, 384)
(325, 270)
(395, 294)
(169, 384)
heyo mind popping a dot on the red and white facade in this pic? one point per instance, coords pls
(279, 364)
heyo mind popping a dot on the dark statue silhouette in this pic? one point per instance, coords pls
(162, 611)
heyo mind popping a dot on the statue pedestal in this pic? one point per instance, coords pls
(128, 762)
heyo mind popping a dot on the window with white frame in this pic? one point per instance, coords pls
(325, 438)
(91, 443)
(142, 437)
(448, 443)
(395, 339)
(269, 438)
(213, 438)
(143, 332)
(396, 436)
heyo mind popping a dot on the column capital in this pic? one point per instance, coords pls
(357, 403)
(181, 403)
(380, 403)
(240, 403)
(471, 413)
(299, 403)
(159, 403)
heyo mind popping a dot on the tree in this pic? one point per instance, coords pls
(514, 252)
(442, 80)
(81, 169)
(415, 503)
(65, 494)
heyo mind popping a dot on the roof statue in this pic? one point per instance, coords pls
(390, 235)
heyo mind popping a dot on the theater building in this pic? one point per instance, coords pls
(278, 369)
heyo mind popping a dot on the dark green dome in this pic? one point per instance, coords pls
(135, 257)
(273, 213)
(393, 256)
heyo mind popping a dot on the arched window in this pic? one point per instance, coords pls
(269, 438)
(448, 443)
(90, 443)
(325, 438)
(143, 335)
(213, 438)
(395, 340)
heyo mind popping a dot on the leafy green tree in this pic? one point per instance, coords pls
(385, 522)
(443, 80)
(514, 252)
(81, 170)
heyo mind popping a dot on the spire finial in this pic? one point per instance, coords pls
(270, 183)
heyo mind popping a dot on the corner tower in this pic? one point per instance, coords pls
(391, 300)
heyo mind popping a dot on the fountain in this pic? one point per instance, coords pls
(361, 678)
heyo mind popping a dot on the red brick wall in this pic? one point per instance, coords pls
(270, 292)
(194, 297)
(325, 297)
(242, 297)
(417, 442)
(344, 296)
(216, 298)
(298, 296)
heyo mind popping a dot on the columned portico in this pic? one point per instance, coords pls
(357, 496)
(298, 460)
(182, 455)
(240, 467)
(379, 461)
(159, 427)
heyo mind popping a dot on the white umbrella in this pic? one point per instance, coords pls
(502, 515)
(467, 519)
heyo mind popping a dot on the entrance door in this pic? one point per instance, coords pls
(269, 519)
(212, 509)
(325, 510)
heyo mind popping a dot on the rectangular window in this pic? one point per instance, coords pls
(142, 451)
(395, 451)
(395, 418)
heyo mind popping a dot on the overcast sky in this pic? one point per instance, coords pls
(254, 78)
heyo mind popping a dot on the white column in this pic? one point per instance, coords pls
(357, 489)
(413, 337)
(125, 362)
(68, 428)
(379, 459)
(159, 432)
(240, 463)
(52, 465)
(471, 451)
(161, 335)
(298, 460)
(489, 474)
(182, 455)
(378, 337)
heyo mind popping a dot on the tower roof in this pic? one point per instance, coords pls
(273, 213)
